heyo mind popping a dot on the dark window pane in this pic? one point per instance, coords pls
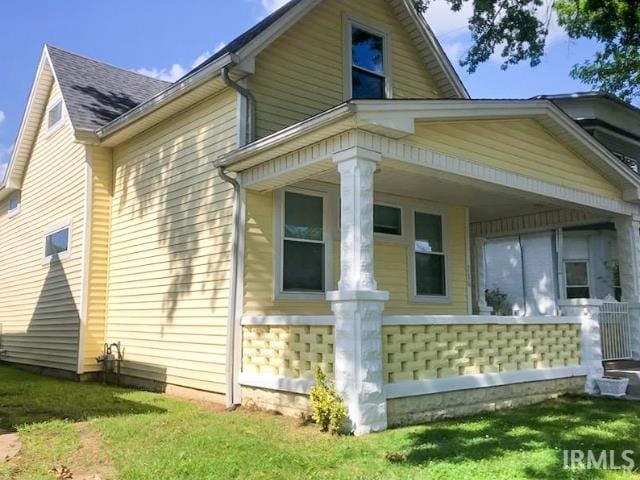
(577, 273)
(57, 242)
(367, 85)
(366, 50)
(430, 274)
(303, 269)
(302, 216)
(55, 114)
(577, 292)
(617, 291)
(428, 233)
(387, 220)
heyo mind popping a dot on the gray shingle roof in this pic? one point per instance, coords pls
(94, 92)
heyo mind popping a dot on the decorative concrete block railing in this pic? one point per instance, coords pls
(421, 354)
(434, 354)
(283, 353)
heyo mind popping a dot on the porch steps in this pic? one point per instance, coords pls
(626, 369)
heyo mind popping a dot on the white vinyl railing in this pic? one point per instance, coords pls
(615, 331)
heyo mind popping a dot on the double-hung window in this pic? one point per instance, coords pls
(577, 278)
(303, 243)
(429, 256)
(369, 69)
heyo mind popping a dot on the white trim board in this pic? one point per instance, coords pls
(398, 320)
(468, 382)
(281, 320)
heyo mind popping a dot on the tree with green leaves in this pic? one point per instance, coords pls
(518, 30)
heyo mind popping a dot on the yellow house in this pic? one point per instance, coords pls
(316, 194)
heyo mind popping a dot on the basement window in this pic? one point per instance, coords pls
(368, 63)
(54, 116)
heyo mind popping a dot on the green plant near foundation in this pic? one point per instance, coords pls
(329, 411)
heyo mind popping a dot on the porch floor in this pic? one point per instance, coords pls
(629, 369)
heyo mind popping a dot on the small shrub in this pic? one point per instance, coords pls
(329, 411)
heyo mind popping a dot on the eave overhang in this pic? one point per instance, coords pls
(397, 119)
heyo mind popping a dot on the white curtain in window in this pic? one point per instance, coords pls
(539, 273)
(524, 268)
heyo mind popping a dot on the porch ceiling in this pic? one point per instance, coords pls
(485, 202)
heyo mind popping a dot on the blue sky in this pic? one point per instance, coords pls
(166, 41)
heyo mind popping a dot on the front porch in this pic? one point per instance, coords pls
(365, 256)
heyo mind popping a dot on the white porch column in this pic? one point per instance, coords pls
(357, 304)
(591, 355)
(628, 236)
(481, 277)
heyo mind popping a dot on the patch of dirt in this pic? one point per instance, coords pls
(91, 461)
(10, 445)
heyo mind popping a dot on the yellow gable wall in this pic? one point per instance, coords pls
(391, 267)
(170, 248)
(40, 302)
(520, 146)
(301, 73)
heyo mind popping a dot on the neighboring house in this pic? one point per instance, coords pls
(317, 194)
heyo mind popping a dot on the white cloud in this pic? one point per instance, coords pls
(445, 22)
(272, 5)
(2, 117)
(176, 71)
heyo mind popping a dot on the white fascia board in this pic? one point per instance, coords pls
(171, 93)
(265, 38)
(631, 190)
(442, 58)
(10, 183)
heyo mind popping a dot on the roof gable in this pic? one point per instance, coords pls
(94, 92)
(262, 34)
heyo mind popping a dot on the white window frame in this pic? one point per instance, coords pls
(11, 212)
(388, 237)
(378, 30)
(58, 228)
(53, 104)
(328, 238)
(411, 259)
(566, 277)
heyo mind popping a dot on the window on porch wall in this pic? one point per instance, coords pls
(303, 243)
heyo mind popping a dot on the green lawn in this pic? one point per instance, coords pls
(119, 433)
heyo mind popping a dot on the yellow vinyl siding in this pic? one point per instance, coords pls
(101, 191)
(170, 248)
(302, 72)
(391, 268)
(40, 302)
(520, 146)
